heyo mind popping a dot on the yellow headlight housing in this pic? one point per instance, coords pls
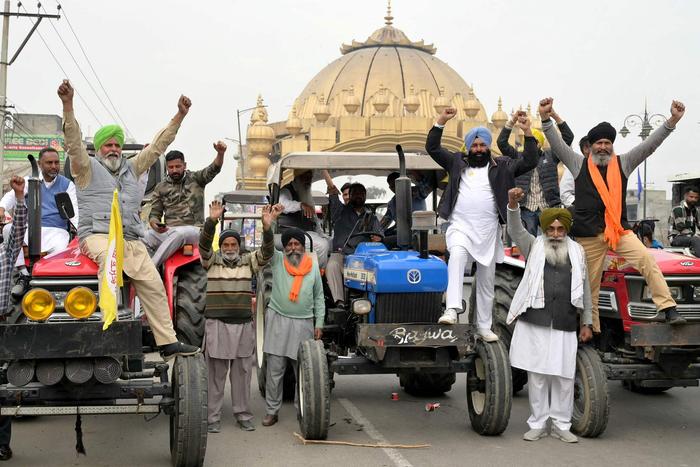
(80, 302)
(38, 304)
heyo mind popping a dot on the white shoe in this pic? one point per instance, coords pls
(565, 436)
(486, 335)
(448, 317)
(535, 434)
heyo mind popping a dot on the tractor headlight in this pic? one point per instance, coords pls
(38, 304)
(80, 302)
(361, 306)
(676, 293)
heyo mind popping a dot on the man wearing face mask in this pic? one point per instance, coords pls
(295, 313)
(600, 213)
(96, 179)
(474, 202)
(229, 334)
(177, 207)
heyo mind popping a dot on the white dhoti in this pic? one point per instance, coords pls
(53, 240)
(163, 245)
(549, 357)
(474, 234)
(321, 246)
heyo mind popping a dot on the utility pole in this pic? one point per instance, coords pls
(3, 68)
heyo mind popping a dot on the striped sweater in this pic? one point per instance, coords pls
(229, 295)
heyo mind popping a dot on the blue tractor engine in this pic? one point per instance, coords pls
(401, 286)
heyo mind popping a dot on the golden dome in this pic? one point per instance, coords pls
(386, 59)
(499, 117)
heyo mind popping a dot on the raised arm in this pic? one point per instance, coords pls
(516, 231)
(570, 158)
(566, 134)
(145, 159)
(635, 156)
(263, 255)
(19, 221)
(206, 236)
(502, 140)
(528, 161)
(432, 145)
(207, 174)
(73, 139)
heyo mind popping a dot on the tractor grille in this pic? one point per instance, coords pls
(408, 307)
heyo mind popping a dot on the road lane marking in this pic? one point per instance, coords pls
(393, 454)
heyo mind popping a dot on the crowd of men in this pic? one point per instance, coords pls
(555, 305)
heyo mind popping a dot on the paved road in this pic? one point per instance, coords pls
(643, 431)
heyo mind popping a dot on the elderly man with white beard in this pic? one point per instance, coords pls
(553, 291)
(296, 302)
(300, 212)
(600, 213)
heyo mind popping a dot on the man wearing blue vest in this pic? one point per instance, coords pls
(96, 178)
(54, 230)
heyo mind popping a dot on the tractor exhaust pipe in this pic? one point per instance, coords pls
(403, 204)
(34, 212)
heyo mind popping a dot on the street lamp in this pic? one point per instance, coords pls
(646, 123)
(240, 145)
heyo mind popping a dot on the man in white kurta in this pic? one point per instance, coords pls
(474, 203)
(553, 291)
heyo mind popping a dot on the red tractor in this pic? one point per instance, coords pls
(57, 360)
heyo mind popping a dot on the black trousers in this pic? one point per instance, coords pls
(686, 241)
(5, 430)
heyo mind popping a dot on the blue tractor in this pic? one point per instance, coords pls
(394, 297)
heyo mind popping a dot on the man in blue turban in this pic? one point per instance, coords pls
(474, 202)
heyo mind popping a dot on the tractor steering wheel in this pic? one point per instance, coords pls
(367, 234)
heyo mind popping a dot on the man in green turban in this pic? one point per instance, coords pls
(552, 294)
(96, 179)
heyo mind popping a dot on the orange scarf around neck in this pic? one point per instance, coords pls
(298, 272)
(612, 198)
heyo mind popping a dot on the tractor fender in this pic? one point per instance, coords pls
(170, 268)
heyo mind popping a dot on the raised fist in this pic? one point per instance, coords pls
(514, 196)
(446, 115)
(524, 124)
(677, 110)
(65, 91)
(545, 108)
(220, 147)
(17, 184)
(183, 105)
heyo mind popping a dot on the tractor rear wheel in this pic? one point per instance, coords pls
(190, 303)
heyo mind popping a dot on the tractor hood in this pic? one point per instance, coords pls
(375, 269)
(68, 263)
(670, 263)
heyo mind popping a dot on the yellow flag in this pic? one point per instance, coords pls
(111, 279)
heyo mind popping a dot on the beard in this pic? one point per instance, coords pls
(556, 251)
(601, 158)
(294, 258)
(230, 256)
(303, 191)
(112, 161)
(478, 159)
(176, 177)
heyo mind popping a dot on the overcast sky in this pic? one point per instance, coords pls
(599, 59)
